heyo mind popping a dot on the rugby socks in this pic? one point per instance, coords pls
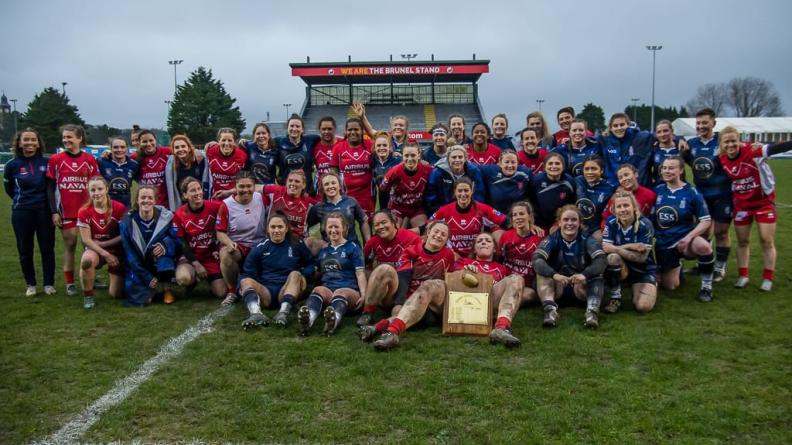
(339, 306)
(594, 288)
(286, 304)
(721, 256)
(382, 325)
(89, 292)
(68, 276)
(314, 304)
(503, 323)
(612, 280)
(369, 309)
(549, 305)
(767, 274)
(705, 267)
(397, 326)
(743, 271)
(251, 299)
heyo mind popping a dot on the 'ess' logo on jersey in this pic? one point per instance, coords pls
(703, 167)
(667, 217)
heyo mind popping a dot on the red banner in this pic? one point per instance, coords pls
(390, 70)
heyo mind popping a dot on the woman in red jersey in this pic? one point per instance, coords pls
(68, 173)
(352, 159)
(531, 155)
(195, 226)
(224, 160)
(387, 248)
(481, 151)
(153, 162)
(420, 277)
(753, 193)
(407, 185)
(518, 244)
(466, 217)
(98, 221)
(291, 200)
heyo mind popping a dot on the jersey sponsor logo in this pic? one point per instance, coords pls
(330, 264)
(666, 217)
(587, 208)
(703, 167)
(294, 161)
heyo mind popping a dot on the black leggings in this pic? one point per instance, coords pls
(29, 224)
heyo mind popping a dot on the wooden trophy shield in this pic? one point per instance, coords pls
(468, 309)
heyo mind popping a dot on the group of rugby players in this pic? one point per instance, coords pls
(569, 215)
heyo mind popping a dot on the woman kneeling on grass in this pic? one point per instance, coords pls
(342, 277)
(275, 273)
(753, 192)
(150, 245)
(627, 239)
(568, 261)
(98, 223)
(195, 226)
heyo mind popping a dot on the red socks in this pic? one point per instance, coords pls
(767, 274)
(743, 271)
(397, 327)
(88, 292)
(369, 309)
(502, 323)
(68, 276)
(382, 325)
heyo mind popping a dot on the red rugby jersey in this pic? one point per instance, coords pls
(406, 190)
(354, 164)
(487, 157)
(464, 225)
(753, 183)
(492, 268)
(534, 162)
(224, 168)
(104, 226)
(295, 208)
(517, 253)
(390, 252)
(71, 173)
(426, 265)
(198, 228)
(152, 172)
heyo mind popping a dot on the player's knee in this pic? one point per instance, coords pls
(183, 278)
(246, 283)
(743, 242)
(515, 281)
(614, 259)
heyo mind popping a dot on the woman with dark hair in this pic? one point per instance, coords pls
(439, 190)
(579, 148)
(628, 180)
(153, 161)
(500, 132)
(119, 170)
(398, 132)
(480, 150)
(291, 200)
(665, 145)
(466, 218)
(275, 273)
(150, 244)
(224, 160)
(98, 222)
(195, 226)
(352, 160)
(342, 278)
(531, 155)
(406, 183)
(569, 262)
(262, 155)
(593, 193)
(334, 200)
(296, 150)
(507, 182)
(518, 244)
(68, 173)
(437, 150)
(551, 190)
(25, 181)
(383, 161)
(183, 164)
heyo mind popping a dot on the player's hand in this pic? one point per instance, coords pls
(471, 268)
(158, 250)
(578, 278)
(153, 283)
(105, 155)
(538, 231)
(683, 145)
(200, 271)
(561, 279)
(222, 194)
(56, 219)
(111, 260)
(564, 141)
(242, 142)
(683, 244)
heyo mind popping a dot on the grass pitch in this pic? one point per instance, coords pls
(686, 373)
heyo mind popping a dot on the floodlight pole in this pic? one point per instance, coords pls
(654, 49)
(14, 101)
(175, 63)
(635, 108)
(287, 110)
(540, 101)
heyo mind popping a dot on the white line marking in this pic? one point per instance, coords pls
(72, 431)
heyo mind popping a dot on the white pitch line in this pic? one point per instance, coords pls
(72, 431)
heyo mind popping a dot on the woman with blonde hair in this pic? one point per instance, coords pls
(183, 164)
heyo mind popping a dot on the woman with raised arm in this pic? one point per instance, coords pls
(352, 160)
(406, 184)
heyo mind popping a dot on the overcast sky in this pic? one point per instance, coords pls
(114, 55)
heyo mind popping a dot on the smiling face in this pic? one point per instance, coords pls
(70, 141)
(569, 224)
(499, 127)
(592, 172)
(463, 194)
(244, 190)
(29, 143)
(705, 126)
(730, 142)
(382, 147)
(384, 227)
(327, 132)
(354, 134)
(627, 179)
(577, 133)
(295, 129)
(457, 127)
(529, 141)
(411, 156)
(619, 127)
(624, 210)
(554, 166)
(399, 128)
(456, 161)
(437, 237)
(295, 183)
(277, 229)
(521, 218)
(664, 134)
(334, 228)
(118, 149)
(98, 192)
(148, 143)
(227, 143)
(145, 200)
(181, 150)
(508, 164)
(331, 187)
(564, 119)
(194, 195)
(439, 139)
(484, 246)
(261, 136)
(480, 135)
(535, 123)
(671, 170)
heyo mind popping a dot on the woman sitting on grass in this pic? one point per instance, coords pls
(98, 222)
(150, 245)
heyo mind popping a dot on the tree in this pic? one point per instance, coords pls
(101, 134)
(47, 112)
(751, 97)
(201, 107)
(710, 95)
(594, 116)
(643, 115)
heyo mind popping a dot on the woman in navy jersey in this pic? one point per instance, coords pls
(466, 218)
(195, 226)
(334, 200)
(342, 279)
(665, 145)
(262, 154)
(275, 274)
(507, 182)
(296, 151)
(420, 282)
(551, 190)
(568, 262)
(593, 194)
(182, 164)
(98, 222)
(500, 132)
(150, 245)
(681, 221)
(119, 171)
(627, 239)
(406, 185)
(387, 249)
(437, 150)
(579, 147)
(25, 182)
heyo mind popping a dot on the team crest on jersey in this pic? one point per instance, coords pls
(23, 170)
(703, 167)
(587, 208)
(667, 217)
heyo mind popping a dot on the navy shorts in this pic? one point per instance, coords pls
(274, 291)
(641, 273)
(668, 258)
(720, 208)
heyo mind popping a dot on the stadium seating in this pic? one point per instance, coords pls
(421, 117)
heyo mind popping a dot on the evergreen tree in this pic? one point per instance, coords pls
(46, 113)
(201, 107)
(594, 116)
(643, 115)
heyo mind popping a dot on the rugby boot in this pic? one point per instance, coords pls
(367, 332)
(705, 295)
(592, 321)
(71, 289)
(304, 319)
(281, 319)
(386, 342)
(767, 285)
(255, 320)
(551, 317)
(741, 282)
(330, 321)
(88, 302)
(613, 306)
(364, 320)
(504, 337)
